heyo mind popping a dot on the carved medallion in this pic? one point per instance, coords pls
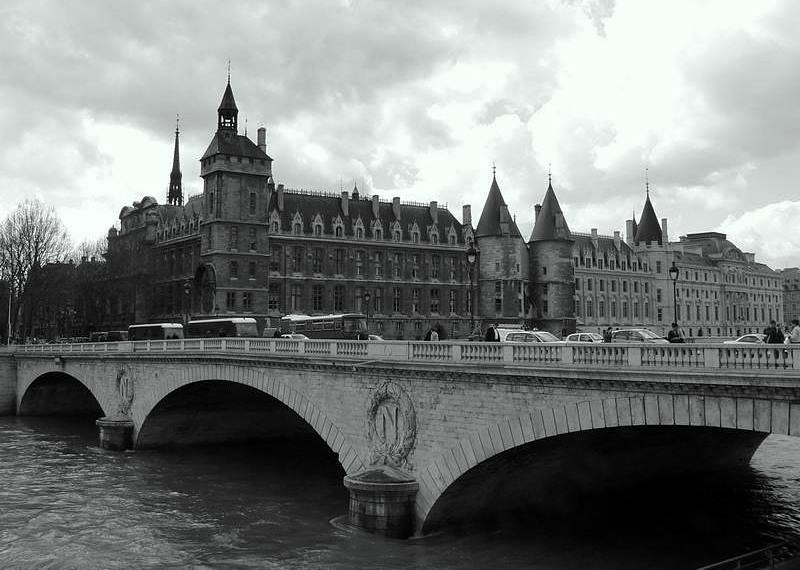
(125, 390)
(392, 425)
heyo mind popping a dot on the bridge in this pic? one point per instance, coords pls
(426, 432)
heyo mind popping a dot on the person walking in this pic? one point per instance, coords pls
(607, 335)
(434, 335)
(491, 334)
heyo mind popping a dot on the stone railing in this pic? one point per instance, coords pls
(600, 355)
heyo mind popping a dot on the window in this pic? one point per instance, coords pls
(415, 300)
(434, 300)
(339, 261)
(378, 300)
(359, 233)
(624, 309)
(601, 308)
(338, 298)
(319, 256)
(275, 259)
(247, 301)
(435, 266)
(359, 262)
(636, 309)
(658, 267)
(275, 227)
(316, 297)
(297, 229)
(613, 286)
(378, 234)
(338, 231)
(318, 230)
(589, 308)
(397, 235)
(378, 264)
(274, 297)
(451, 304)
(251, 270)
(297, 259)
(396, 265)
(624, 286)
(397, 299)
(589, 283)
(230, 300)
(635, 286)
(253, 241)
(233, 237)
(234, 269)
(602, 285)
(252, 203)
(296, 301)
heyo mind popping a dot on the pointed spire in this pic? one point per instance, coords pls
(550, 221)
(647, 181)
(228, 112)
(175, 192)
(495, 214)
(648, 230)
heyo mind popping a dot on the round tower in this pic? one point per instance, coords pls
(552, 276)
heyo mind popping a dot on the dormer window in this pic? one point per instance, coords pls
(359, 233)
(434, 238)
(452, 239)
(378, 234)
(415, 237)
(318, 230)
(339, 231)
(275, 227)
(298, 229)
(397, 236)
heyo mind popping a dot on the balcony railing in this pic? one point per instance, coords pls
(599, 355)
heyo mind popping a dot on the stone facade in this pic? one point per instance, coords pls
(791, 293)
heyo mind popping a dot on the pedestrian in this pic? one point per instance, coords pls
(491, 334)
(434, 335)
(795, 336)
(674, 334)
(607, 335)
(773, 334)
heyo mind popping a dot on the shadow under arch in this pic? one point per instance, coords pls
(223, 411)
(58, 394)
(554, 474)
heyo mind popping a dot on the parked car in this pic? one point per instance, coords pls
(517, 335)
(294, 336)
(636, 335)
(375, 337)
(752, 338)
(584, 337)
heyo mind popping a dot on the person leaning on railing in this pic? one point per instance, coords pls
(675, 334)
(794, 338)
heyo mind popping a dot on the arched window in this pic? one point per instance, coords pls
(318, 230)
(378, 233)
(339, 231)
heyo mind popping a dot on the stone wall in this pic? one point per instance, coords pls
(8, 385)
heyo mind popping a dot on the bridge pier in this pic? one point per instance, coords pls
(382, 501)
(116, 433)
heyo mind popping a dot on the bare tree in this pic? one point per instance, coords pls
(89, 249)
(30, 237)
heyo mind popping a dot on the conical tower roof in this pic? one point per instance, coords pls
(550, 222)
(648, 229)
(228, 103)
(492, 215)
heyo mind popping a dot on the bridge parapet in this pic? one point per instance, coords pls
(600, 355)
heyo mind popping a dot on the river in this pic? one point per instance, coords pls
(65, 503)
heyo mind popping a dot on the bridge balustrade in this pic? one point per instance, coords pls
(600, 355)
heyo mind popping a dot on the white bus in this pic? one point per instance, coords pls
(345, 325)
(155, 331)
(217, 328)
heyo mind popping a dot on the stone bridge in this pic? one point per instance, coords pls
(429, 432)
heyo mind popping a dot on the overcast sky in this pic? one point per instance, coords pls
(418, 99)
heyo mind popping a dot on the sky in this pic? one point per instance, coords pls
(419, 100)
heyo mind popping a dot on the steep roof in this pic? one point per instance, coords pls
(550, 221)
(649, 229)
(228, 103)
(494, 210)
(234, 145)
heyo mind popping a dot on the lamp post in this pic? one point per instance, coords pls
(367, 297)
(472, 256)
(673, 274)
(187, 291)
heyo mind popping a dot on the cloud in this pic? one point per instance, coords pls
(769, 230)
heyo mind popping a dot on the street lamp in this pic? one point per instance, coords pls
(673, 274)
(472, 256)
(187, 291)
(367, 297)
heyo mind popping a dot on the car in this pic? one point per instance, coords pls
(752, 338)
(294, 336)
(584, 337)
(519, 335)
(636, 335)
(375, 337)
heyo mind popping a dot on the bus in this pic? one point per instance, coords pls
(346, 325)
(217, 328)
(155, 331)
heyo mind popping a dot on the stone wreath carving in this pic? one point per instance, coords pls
(125, 390)
(391, 425)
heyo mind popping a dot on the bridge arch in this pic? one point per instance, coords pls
(55, 392)
(262, 381)
(750, 419)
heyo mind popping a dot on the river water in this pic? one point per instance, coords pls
(64, 503)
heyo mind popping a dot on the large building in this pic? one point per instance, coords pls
(791, 293)
(250, 247)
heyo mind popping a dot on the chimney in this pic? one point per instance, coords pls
(280, 197)
(629, 232)
(376, 206)
(345, 203)
(396, 207)
(434, 212)
(262, 139)
(466, 214)
(617, 239)
(536, 209)
(664, 234)
(594, 234)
